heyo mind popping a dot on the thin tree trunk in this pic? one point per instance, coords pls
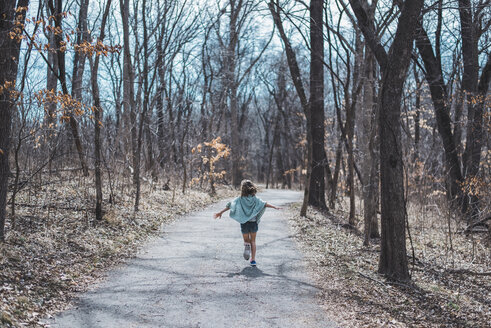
(231, 67)
(50, 108)
(98, 115)
(350, 126)
(137, 159)
(297, 82)
(79, 57)
(434, 77)
(271, 151)
(335, 177)
(56, 10)
(369, 149)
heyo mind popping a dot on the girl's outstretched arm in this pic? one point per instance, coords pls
(272, 206)
(219, 214)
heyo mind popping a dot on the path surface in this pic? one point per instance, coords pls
(194, 275)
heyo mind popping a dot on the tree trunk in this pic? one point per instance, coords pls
(128, 90)
(368, 145)
(394, 65)
(434, 77)
(137, 158)
(350, 126)
(271, 151)
(470, 55)
(417, 117)
(317, 184)
(56, 10)
(232, 90)
(9, 62)
(50, 108)
(297, 82)
(98, 115)
(79, 57)
(335, 178)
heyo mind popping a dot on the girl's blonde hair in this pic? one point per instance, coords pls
(247, 188)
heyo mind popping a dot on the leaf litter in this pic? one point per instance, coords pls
(57, 251)
(448, 288)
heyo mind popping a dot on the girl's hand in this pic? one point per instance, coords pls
(277, 208)
(217, 215)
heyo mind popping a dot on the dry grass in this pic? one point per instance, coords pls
(451, 282)
(54, 252)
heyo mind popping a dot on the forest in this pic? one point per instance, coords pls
(116, 116)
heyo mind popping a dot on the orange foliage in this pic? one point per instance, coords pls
(215, 150)
(20, 33)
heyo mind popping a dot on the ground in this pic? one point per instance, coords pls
(194, 275)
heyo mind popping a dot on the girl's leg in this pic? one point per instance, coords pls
(247, 245)
(247, 238)
(253, 245)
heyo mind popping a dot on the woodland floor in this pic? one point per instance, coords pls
(57, 251)
(451, 281)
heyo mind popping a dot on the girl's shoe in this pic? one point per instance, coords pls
(253, 263)
(247, 251)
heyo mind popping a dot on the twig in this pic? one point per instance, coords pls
(370, 278)
(465, 271)
(70, 208)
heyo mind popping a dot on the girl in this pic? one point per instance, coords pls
(247, 210)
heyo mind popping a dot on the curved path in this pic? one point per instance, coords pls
(194, 275)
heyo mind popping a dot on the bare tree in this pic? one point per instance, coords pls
(98, 114)
(475, 96)
(296, 77)
(56, 11)
(318, 160)
(394, 66)
(9, 62)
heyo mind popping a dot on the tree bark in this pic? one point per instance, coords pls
(78, 57)
(128, 89)
(319, 160)
(474, 138)
(56, 10)
(394, 65)
(434, 77)
(351, 109)
(137, 154)
(9, 57)
(368, 144)
(51, 85)
(98, 114)
(232, 88)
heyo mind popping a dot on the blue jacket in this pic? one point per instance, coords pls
(242, 209)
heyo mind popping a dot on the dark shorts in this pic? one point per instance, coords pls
(248, 227)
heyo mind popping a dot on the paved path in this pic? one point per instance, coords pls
(194, 275)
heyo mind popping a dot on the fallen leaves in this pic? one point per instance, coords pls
(354, 294)
(55, 253)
